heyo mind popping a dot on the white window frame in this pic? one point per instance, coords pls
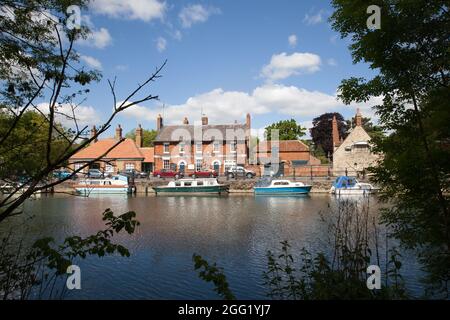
(78, 165)
(198, 164)
(166, 147)
(130, 166)
(109, 168)
(197, 149)
(181, 146)
(167, 167)
(233, 146)
(216, 147)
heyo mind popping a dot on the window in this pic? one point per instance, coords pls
(199, 183)
(129, 166)
(198, 165)
(109, 168)
(181, 147)
(166, 164)
(77, 166)
(166, 147)
(198, 147)
(233, 146)
(216, 146)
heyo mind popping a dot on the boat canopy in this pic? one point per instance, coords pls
(344, 182)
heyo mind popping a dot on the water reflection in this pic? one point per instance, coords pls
(234, 231)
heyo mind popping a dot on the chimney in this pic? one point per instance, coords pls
(335, 132)
(118, 132)
(139, 136)
(204, 121)
(94, 133)
(185, 121)
(248, 121)
(159, 122)
(358, 118)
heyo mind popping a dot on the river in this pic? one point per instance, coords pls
(234, 231)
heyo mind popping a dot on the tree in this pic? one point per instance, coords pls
(148, 136)
(288, 130)
(321, 132)
(40, 71)
(411, 54)
(372, 130)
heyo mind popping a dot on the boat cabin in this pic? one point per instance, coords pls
(345, 182)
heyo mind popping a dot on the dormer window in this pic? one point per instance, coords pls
(166, 147)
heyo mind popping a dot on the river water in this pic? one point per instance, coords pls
(234, 231)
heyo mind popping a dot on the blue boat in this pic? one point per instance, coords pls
(344, 185)
(281, 187)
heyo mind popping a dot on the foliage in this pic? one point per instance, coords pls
(411, 54)
(288, 130)
(148, 137)
(44, 262)
(321, 132)
(23, 153)
(214, 274)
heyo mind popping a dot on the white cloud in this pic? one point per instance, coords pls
(85, 115)
(196, 13)
(145, 10)
(311, 19)
(282, 65)
(161, 44)
(292, 40)
(97, 38)
(333, 39)
(92, 62)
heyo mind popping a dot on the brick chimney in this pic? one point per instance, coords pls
(335, 132)
(358, 118)
(204, 121)
(94, 133)
(118, 132)
(159, 122)
(248, 121)
(185, 121)
(139, 136)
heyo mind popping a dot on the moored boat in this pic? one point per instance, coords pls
(281, 187)
(115, 185)
(207, 186)
(344, 185)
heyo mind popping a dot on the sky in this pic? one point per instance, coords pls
(273, 59)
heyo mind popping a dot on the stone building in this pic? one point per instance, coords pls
(353, 155)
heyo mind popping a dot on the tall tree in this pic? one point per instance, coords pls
(148, 136)
(321, 132)
(411, 54)
(287, 130)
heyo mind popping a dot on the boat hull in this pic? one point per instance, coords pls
(191, 189)
(89, 191)
(282, 191)
(349, 191)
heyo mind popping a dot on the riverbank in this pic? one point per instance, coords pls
(240, 186)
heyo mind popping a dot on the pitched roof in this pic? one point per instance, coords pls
(210, 132)
(127, 149)
(148, 153)
(284, 146)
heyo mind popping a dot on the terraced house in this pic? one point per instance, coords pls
(189, 147)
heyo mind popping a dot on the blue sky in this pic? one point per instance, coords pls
(274, 59)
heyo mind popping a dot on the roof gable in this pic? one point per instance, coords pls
(358, 134)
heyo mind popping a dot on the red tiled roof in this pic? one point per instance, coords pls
(127, 149)
(148, 153)
(284, 146)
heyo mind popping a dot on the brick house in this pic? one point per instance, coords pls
(129, 154)
(352, 155)
(188, 147)
(292, 154)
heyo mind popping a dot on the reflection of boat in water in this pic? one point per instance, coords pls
(280, 187)
(351, 186)
(182, 186)
(115, 185)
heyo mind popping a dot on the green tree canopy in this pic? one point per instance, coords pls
(148, 137)
(411, 54)
(288, 130)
